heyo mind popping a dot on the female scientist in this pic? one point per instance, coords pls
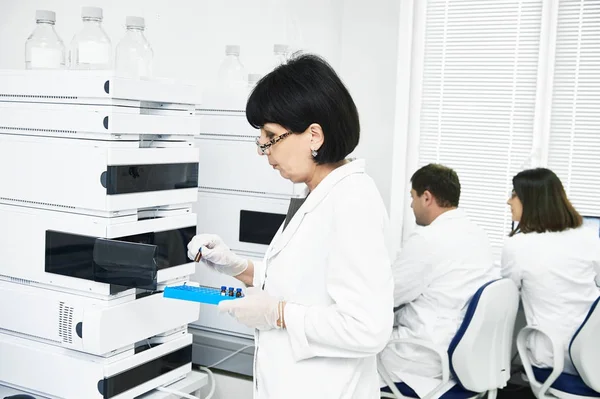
(322, 299)
(552, 259)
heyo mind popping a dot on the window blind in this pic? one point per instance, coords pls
(574, 137)
(478, 99)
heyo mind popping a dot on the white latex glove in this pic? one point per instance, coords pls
(216, 254)
(257, 309)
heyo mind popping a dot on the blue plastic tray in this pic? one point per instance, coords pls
(207, 295)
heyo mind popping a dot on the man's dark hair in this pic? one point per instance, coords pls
(442, 182)
(303, 91)
(545, 203)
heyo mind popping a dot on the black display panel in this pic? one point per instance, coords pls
(131, 261)
(119, 383)
(259, 227)
(128, 179)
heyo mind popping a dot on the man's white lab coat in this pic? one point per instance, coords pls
(437, 272)
(332, 264)
(558, 275)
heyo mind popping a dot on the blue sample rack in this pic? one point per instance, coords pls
(201, 294)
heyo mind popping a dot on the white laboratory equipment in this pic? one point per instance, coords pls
(91, 47)
(134, 55)
(190, 385)
(44, 49)
(242, 200)
(97, 214)
(99, 110)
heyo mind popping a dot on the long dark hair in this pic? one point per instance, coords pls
(545, 203)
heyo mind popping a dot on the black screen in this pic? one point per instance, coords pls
(131, 378)
(113, 261)
(259, 227)
(127, 179)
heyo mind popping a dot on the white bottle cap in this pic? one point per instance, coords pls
(232, 49)
(280, 48)
(45, 15)
(91, 12)
(135, 22)
(254, 77)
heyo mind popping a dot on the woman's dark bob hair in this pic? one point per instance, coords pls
(545, 203)
(303, 91)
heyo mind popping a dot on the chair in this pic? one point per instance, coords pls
(479, 354)
(584, 352)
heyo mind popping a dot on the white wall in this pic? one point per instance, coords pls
(368, 66)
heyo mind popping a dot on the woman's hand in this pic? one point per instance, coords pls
(216, 254)
(257, 309)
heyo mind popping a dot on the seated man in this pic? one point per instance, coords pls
(439, 269)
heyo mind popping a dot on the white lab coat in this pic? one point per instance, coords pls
(558, 274)
(332, 264)
(435, 275)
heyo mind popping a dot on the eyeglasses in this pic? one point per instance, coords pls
(262, 148)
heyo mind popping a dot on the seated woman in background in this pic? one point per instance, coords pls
(554, 261)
